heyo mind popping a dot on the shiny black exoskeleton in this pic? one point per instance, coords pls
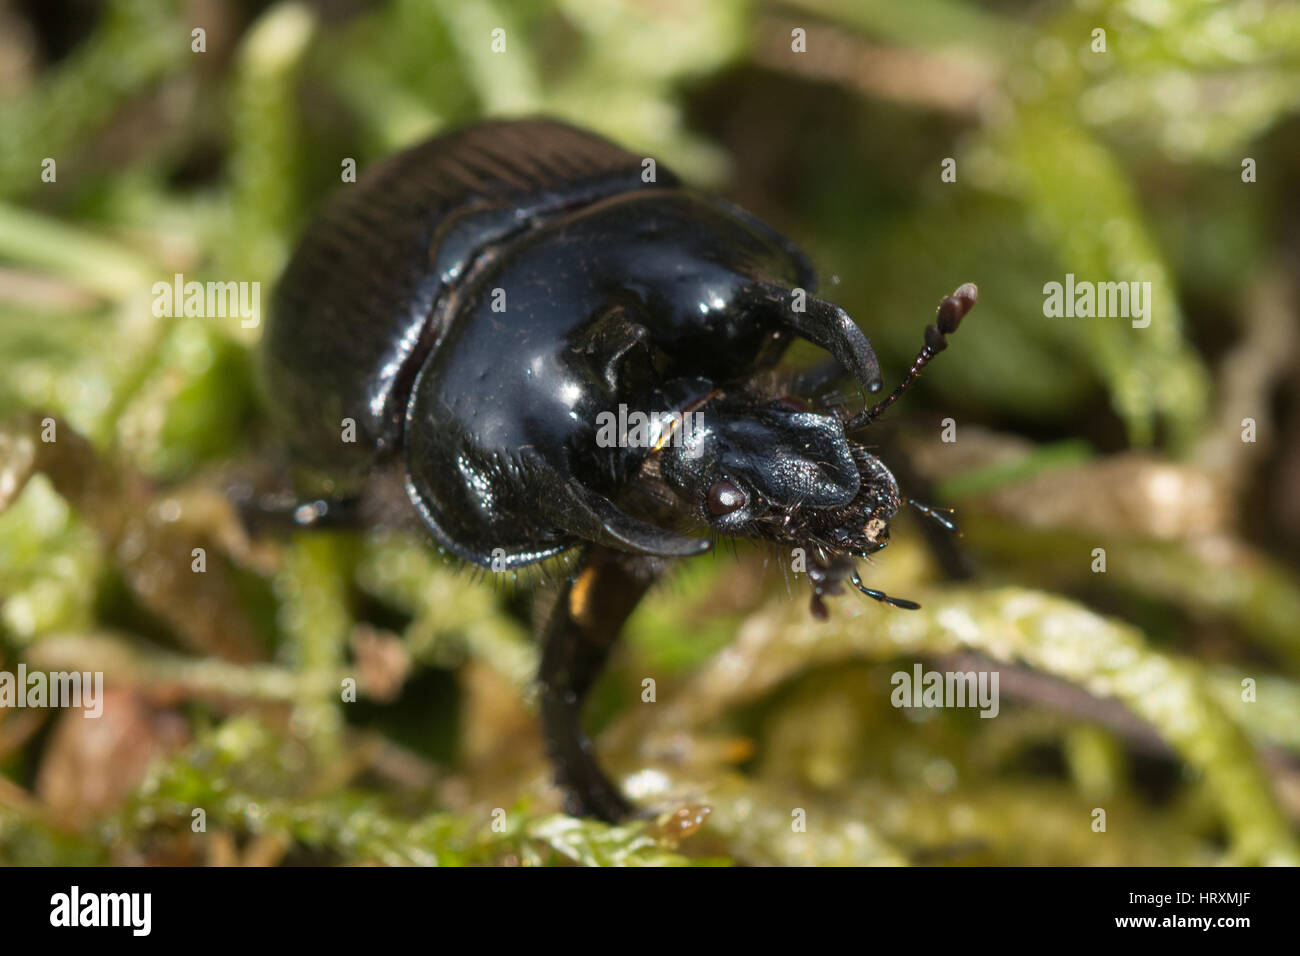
(492, 316)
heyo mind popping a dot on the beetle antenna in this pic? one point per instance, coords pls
(951, 311)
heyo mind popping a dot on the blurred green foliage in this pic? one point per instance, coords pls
(1117, 165)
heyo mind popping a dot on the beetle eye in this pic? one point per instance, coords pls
(724, 498)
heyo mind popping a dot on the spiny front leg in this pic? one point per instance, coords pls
(582, 630)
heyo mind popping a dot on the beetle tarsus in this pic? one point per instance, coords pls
(882, 597)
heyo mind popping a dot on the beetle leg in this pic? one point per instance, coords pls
(881, 596)
(582, 629)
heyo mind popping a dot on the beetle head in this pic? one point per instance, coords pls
(773, 471)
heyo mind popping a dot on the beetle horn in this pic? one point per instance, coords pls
(591, 515)
(824, 324)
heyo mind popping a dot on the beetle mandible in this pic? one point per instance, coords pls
(473, 304)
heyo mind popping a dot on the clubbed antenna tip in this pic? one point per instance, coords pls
(951, 311)
(954, 308)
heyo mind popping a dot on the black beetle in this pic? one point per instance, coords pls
(482, 307)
